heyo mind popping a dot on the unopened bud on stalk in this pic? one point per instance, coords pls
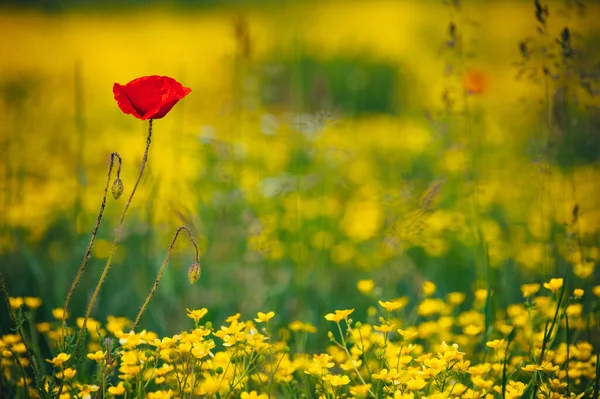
(117, 188)
(194, 272)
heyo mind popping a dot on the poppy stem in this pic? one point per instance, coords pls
(116, 239)
(93, 239)
(162, 269)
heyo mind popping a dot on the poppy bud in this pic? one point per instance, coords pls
(117, 188)
(194, 272)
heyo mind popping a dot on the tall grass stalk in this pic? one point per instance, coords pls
(511, 337)
(547, 339)
(596, 393)
(567, 339)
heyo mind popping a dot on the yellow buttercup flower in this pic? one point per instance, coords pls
(407, 334)
(574, 309)
(264, 317)
(15, 302)
(196, 314)
(33, 302)
(58, 313)
(529, 289)
(472, 330)
(456, 298)
(253, 395)
(415, 384)
(361, 390)
(114, 324)
(339, 315)
(386, 375)
(337, 380)
(557, 384)
(583, 270)
(554, 284)
(233, 318)
(495, 344)
(362, 219)
(91, 325)
(431, 306)
(482, 382)
(384, 328)
(428, 288)
(66, 374)
(21, 382)
(481, 294)
(59, 359)
(578, 292)
(43, 327)
(85, 391)
(365, 286)
(19, 347)
(371, 311)
(515, 389)
(160, 394)
(391, 305)
(97, 356)
(297, 325)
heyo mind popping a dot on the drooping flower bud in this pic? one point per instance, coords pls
(194, 272)
(117, 188)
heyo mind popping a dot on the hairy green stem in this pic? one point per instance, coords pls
(93, 238)
(116, 239)
(162, 269)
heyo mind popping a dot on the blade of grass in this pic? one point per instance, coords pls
(510, 338)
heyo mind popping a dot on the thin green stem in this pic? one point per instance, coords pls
(88, 251)
(567, 339)
(117, 235)
(35, 345)
(23, 373)
(162, 269)
(344, 347)
(596, 394)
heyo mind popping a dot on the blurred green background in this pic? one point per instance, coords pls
(322, 143)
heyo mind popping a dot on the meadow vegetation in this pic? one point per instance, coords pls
(371, 200)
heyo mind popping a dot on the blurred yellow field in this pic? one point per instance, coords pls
(440, 161)
(82, 52)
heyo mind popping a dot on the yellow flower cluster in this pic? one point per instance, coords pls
(538, 346)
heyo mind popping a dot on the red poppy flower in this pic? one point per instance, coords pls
(475, 82)
(149, 97)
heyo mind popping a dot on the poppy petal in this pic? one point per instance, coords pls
(123, 101)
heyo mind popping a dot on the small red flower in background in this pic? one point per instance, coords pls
(149, 97)
(475, 82)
